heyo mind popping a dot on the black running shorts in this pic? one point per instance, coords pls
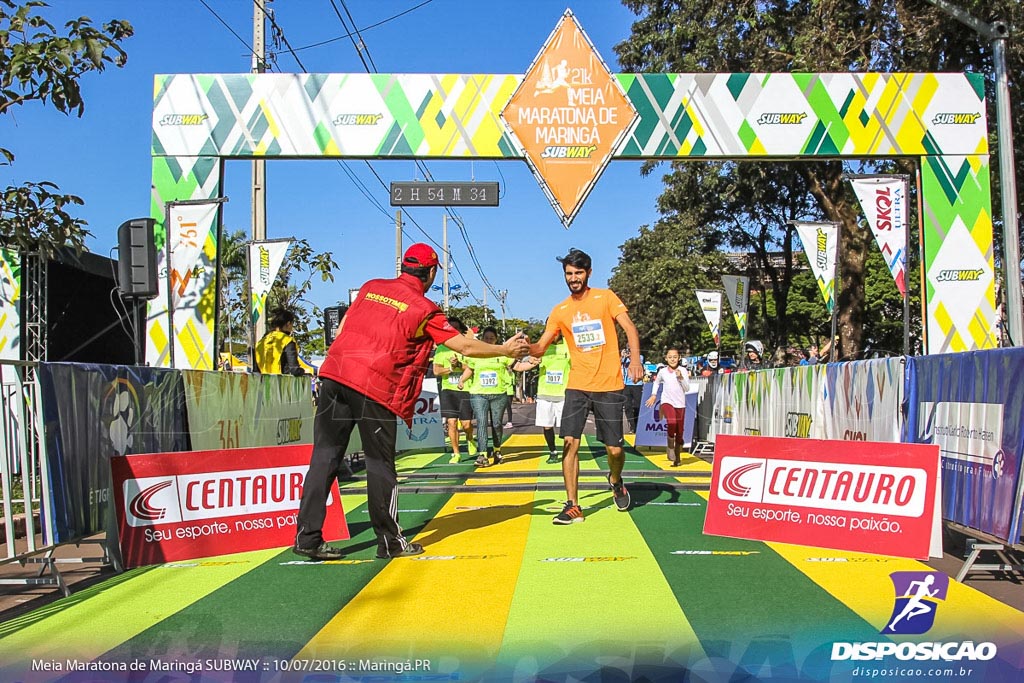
(607, 409)
(455, 405)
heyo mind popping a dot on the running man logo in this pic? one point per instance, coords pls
(963, 275)
(782, 119)
(183, 119)
(917, 599)
(961, 119)
(798, 425)
(357, 119)
(568, 152)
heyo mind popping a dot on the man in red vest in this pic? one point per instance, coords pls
(373, 372)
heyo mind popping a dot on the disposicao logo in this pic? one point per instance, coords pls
(917, 599)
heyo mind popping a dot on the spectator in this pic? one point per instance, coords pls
(754, 360)
(277, 353)
(711, 365)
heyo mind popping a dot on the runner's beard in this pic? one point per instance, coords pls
(581, 286)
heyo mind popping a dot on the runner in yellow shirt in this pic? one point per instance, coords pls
(587, 320)
(456, 410)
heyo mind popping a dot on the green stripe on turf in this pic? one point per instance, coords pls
(276, 608)
(573, 603)
(755, 609)
(120, 608)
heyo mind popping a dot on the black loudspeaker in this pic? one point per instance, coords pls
(332, 321)
(136, 263)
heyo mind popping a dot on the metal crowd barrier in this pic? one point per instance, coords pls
(24, 486)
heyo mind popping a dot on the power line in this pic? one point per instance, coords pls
(371, 67)
(228, 27)
(365, 28)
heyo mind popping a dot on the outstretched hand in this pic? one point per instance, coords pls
(517, 345)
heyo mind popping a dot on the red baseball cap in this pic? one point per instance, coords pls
(420, 255)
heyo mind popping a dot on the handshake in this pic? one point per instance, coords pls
(517, 346)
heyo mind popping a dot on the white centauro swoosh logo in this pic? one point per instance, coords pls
(731, 482)
(140, 505)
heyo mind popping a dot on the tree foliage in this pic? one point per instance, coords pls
(748, 205)
(40, 64)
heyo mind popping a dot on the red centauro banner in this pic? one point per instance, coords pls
(862, 496)
(180, 506)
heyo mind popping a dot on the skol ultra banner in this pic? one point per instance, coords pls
(182, 506)
(884, 202)
(427, 430)
(711, 306)
(737, 293)
(873, 498)
(821, 244)
(970, 405)
(265, 259)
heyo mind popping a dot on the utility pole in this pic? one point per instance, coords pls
(997, 33)
(503, 294)
(444, 245)
(398, 242)
(259, 166)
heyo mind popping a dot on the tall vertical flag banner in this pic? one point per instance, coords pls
(265, 259)
(884, 201)
(711, 306)
(189, 284)
(737, 291)
(821, 244)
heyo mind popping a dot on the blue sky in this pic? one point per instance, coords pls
(104, 157)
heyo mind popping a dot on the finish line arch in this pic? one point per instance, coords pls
(567, 117)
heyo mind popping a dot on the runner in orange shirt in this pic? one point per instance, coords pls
(587, 321)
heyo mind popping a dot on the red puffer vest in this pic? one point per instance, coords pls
(382, 351)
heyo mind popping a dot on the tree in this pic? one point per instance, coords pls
(300, 266)
(781, 36)
(37, 64)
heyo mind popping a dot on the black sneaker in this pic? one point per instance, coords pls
(481, 460)
(497, 456)
(553, 458)
(620, 494)
(570, 514)
(319, 553)
(410, 549)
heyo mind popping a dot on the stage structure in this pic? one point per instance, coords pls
(567, 118)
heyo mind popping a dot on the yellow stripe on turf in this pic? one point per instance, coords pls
(861, 582)
(125, 610)
(450, 604)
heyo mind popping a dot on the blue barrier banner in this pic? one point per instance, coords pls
(971, 405)
(651, 430)
(92, 413)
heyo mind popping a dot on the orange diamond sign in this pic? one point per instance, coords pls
(568, 114)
